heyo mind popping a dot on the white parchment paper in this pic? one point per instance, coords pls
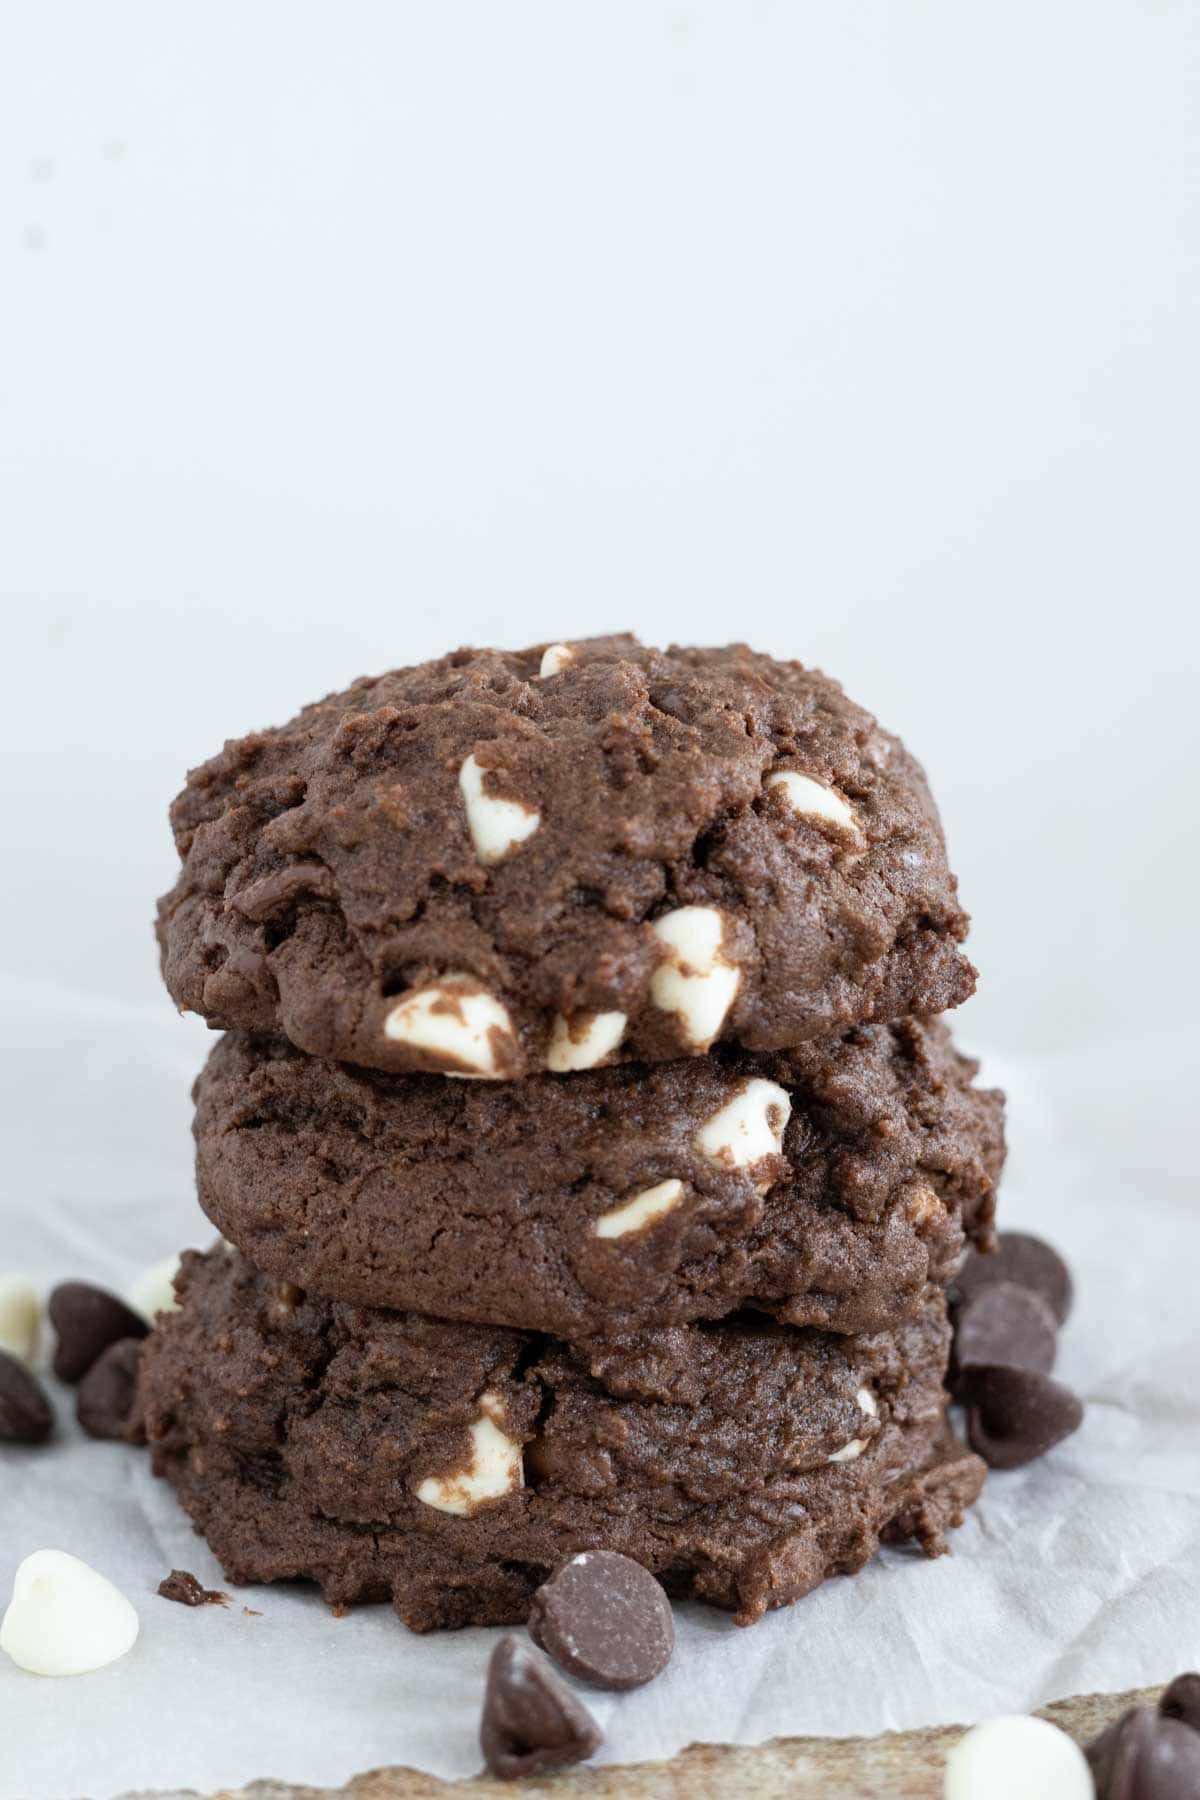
(1081, 1572)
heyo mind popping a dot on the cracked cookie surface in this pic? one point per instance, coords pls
(479, 868)
(451, 1468)
(827, 1185)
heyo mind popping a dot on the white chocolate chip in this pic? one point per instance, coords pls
(64, 1618)
(1014, 1756)
(154, 1290)
(868, 1404)
(457, 1021)
(583, 1042)
(495, 1467)
(696, 982)
(555, 659)
(642, 1210)
(20, 1317)
(496, 826)
(285, 1298)
(921, 1206)
(804, 795)
(748, 1128)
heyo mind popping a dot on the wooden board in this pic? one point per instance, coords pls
(903, 1765)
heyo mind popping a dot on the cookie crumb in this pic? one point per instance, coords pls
(182, 1586)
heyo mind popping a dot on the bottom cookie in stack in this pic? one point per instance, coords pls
(451, 1468)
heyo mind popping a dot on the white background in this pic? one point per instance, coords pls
(335, 336)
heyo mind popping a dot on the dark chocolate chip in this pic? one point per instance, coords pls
(1014, 1415)
(531, 1719)
(1024, 1260)
(1181, 1700)
(1146, 1755)
(605, 1619)
(1102, 1752)
(1170, 1765)
(1006, 1324)
(181, 1585)
(88, 1319)
(1102, 1749)
(105, 1399)
(25, 1415)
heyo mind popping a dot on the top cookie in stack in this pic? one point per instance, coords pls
(499, 863)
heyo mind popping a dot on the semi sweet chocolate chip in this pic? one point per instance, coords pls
(1102, 1751)
(25, 1415)
(181, 1585)
(1027, 1261)
(1181, 1700)
(1168, 1767)
(531, 1719)
(1006, 1324)
(1146, 1756)
(88, 1319)
(605, 1619)
(1015, 1415)
(105, 1399)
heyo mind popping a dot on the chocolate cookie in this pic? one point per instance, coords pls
(825, 1185)
(453, 1468)
(503, 862)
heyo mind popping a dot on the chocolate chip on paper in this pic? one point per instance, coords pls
(88, 1319)
(1015, 1415)
(1015, 1758)
(1181, 1700)
(1009, 1325)
(605, 1619)
(1145, 1756)
(1152, 1752)
(1025, 1260)
(105, 1399)
(25, 1414)
(531, 1719)
(20, 1317)
(65, 1618)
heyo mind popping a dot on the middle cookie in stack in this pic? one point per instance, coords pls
(688, 1309)
(827, 1185)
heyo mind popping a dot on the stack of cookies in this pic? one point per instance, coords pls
(589, 1156)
